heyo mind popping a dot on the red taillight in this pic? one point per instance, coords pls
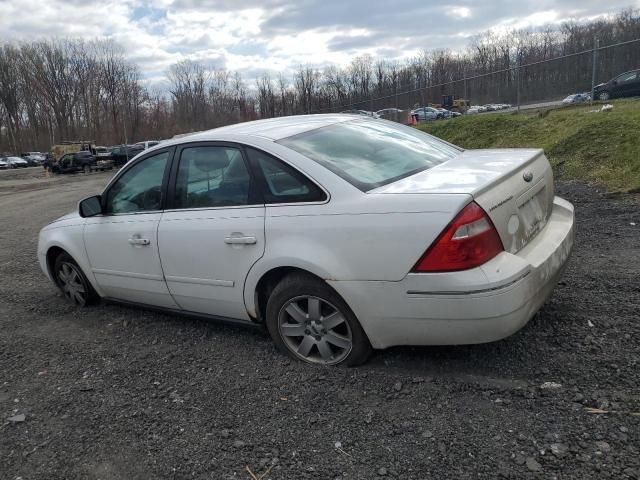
(468, 241)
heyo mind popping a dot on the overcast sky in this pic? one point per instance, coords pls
(252, 36)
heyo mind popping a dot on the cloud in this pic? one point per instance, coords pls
(276, 36)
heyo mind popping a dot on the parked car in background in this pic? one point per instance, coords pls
(390, 113)
(148, 144)
(103, 153)
(123, 153)
(15, 162)
(75, 162)
(34, 158)
(448, 113)
(426, 114)
(625, 85)
(4, 165)
(71, 146)
(576, 98)
(366, 113)
(272, 222)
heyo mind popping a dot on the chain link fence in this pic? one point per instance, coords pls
(520, 86)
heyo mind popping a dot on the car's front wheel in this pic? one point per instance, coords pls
(72, 282)
(308, 320)
(604, 96)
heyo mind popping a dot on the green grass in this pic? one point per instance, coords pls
(602, 148)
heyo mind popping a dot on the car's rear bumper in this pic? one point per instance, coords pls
(480, 305)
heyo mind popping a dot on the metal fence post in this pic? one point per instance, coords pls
(518, 85)
(596, 44)
(464, 79)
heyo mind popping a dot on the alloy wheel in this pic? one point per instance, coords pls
(72, 284)
(314, 330)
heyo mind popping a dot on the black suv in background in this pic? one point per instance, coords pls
(625, 85)
(123, 153)
(74, 162)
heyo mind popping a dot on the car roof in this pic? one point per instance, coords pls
(272, 128)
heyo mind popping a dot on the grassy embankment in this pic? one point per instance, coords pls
(601, 148)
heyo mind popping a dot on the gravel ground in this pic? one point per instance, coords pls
(112, 392)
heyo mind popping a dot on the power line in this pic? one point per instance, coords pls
(481, 75)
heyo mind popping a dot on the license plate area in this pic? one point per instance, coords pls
(534, 213)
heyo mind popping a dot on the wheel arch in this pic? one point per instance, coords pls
(52, 253)
(264, 285)
(56, 249)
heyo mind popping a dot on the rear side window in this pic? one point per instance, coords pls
(212, 176)
(282, 183)
(627, 77)
(369, 154)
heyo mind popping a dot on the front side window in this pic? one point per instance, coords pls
(139, 189)
(212, 176)
(369, 154)
(282, 183)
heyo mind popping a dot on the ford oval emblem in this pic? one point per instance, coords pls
(528, 176)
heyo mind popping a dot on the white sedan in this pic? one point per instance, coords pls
(15, 162)
(339, 233)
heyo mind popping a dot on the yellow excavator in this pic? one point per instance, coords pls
(453, 103)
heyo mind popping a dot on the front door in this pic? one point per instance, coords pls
(122, 243)
(213, 232)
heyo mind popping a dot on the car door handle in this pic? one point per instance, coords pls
(240, 240)
(139, 241)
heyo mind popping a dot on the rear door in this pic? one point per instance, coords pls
(213, 231)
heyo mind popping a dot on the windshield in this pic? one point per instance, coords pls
(369, 154)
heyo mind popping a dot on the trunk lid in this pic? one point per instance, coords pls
(514, 186)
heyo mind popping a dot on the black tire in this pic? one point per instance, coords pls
(301, 287)
(604, 96)
(72, 282)
(87, 169)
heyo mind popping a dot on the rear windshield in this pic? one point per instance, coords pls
(369, 154)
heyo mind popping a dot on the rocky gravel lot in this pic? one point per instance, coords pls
(117, 393)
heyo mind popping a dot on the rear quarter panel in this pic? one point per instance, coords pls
(366, 237)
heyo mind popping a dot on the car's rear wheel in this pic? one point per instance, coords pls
(308, 320)
(604, 96)
(72, 282)
(87, 169)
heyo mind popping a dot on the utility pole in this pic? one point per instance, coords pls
(395, 88)
(596, 45)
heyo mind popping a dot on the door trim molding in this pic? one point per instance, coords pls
(119, 273)
(200, 281)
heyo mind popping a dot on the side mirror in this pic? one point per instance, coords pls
(90, 207)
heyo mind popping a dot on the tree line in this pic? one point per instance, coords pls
(69, 89)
